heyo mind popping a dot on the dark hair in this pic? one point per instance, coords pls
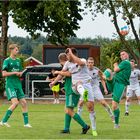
(74, 51)
(132, 60)
(90, 58)
(123, 50)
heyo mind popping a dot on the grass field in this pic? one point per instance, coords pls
(47, 121)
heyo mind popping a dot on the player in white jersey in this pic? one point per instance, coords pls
(134, 87)
(81, 81)
(96, 75)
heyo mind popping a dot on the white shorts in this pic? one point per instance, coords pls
(131, 91)
(88, 87)
(97, 93)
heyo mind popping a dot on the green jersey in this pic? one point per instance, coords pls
(12, 65)
(68, 86)
(123, 75)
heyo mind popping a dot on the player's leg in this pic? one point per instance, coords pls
(25, 112)
(82, 91)
(99, 96)
(11, 95)
(80, 107)
(54, 94)
(90, 106)
(21, 97)
(137, 92)
(129, 94)
(118, 91)
(57, 93)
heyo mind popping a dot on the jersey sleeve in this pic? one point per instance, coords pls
(65, 67)
(5, 65)
(122, 65)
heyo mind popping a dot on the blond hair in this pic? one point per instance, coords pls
(12, 46)
(62, 57)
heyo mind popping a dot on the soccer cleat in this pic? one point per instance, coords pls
(4, 124)
(84, 130)
(116, 126)
(85, 96)
(94, 133)
(28, 125)
(126, 114)
(65, 131)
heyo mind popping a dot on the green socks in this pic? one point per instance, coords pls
(78, 119)
(116, 115)
(7, 116)
(67, 121)
(25, 116)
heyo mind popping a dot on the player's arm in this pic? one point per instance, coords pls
(76, 59)
(5, 73)
(100, 73)
(63, 73)
(116, 67)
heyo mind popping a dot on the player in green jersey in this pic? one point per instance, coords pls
(71, 99)
(117, 83)
(12, 71)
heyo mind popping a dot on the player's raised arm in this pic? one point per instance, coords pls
(71, 52)
(100, 73)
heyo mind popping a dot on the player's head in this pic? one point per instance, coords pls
(14, 49)
(73, 50)
(132, 61)
(124, 55)
(62, 57)
(90, 62)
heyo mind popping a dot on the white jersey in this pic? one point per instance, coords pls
(94, 75)
(134, 78)
(79, 73)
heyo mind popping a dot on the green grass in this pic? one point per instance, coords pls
(47, 121)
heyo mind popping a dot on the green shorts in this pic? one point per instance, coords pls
(117, 90)
(14, 92)
(72, 100)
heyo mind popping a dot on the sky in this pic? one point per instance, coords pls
(101, 26)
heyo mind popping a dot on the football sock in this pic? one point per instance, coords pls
(93, 120)
(79, 110)
(7, 116)
(25, 117)
(116, 115)
(78, 119)
(109, 110)
(127, 104)
(67, 122)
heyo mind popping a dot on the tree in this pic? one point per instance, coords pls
(58, 19)
(128, 9)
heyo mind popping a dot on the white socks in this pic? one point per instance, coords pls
(127, 104)
(93, 120)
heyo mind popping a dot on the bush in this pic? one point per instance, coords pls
(2, 85)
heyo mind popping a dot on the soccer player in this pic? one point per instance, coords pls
(12, 70)
(96, 74)
(56, 88)
(117, 83)
(71, 98)
(79, 71)
(134, 86)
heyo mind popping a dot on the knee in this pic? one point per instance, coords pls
(15, 104)
(24, 103)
